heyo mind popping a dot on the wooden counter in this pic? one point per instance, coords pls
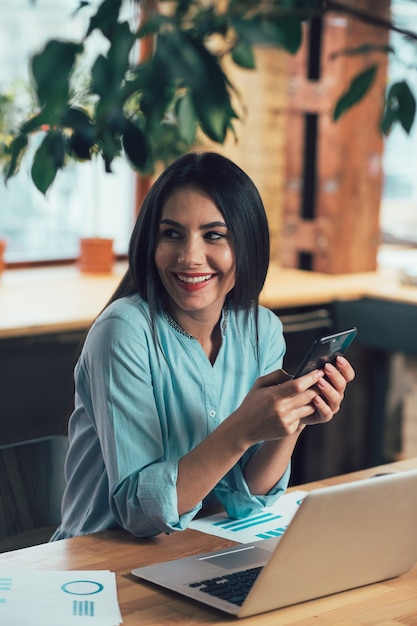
(290, 287)
(38, 301)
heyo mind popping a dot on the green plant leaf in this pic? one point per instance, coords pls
(82, 4)
(48, 159)
(119, 52)
(357, 89)
(212, 105)
(187, 119)
(186, 61)
(110, 147)
(80, 146)
(72, 117)
(283, 32)
(76, 118)
(166, 144)
(400, 106)
(406, 104)
(37, 121)
(407, 110)
(102, 79)
(388, 119)
(152, 25)
(135, 146)
(84, 135)
(105, 18)
(16, 150)
(361, 50)
(51, 69)
(242, 55)
(151, 83)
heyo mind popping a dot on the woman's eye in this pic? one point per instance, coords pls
(213, 235)
(170, 233)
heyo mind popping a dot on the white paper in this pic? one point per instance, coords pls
(42, 598)
(270, 522)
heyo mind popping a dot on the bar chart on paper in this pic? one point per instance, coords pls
(68, 598)
(270, 522)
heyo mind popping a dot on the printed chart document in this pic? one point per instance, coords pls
(42, 598)
(270, 522)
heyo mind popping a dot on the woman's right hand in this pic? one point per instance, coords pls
(277, 406)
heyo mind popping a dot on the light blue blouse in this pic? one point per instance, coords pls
(138, 411)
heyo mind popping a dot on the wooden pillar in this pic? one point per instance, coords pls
(333, 169)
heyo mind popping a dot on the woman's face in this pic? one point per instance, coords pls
(194, 255)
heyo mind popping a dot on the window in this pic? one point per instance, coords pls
(399, 196)
(83, 200)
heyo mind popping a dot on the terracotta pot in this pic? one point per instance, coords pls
(96, 255)
(3, 245)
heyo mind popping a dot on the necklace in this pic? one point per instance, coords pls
(174, 324)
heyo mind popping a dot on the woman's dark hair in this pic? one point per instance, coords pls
(237, 199)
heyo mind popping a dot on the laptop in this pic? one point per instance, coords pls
(341, 537)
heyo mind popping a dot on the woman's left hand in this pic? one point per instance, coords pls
(332, 389)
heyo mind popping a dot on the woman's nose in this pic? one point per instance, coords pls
(191, 252)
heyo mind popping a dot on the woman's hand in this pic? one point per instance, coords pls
(331, 389)
(274, 412)
(274, 409)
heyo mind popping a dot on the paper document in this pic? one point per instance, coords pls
(270, 522)
(41, 598)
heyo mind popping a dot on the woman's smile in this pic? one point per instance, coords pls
(192, 282)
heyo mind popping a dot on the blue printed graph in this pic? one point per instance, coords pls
(269, 522)
(276, 532)
(83, 608)
(236, 526)
(5, 585)
(82, 587)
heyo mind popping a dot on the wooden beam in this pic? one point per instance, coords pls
(343, 185)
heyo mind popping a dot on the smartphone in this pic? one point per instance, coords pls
(325, 350)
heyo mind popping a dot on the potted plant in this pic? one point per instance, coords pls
(96, 251)
(151, 110)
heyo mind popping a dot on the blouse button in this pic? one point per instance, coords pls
(212, 413)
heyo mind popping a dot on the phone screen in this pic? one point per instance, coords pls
(325, 350)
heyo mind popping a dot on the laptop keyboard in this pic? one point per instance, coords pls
(232, 587)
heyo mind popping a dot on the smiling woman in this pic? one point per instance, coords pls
(179, 397)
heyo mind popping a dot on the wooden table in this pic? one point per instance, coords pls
(388, 603)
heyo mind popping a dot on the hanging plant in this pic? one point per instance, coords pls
(150, 111)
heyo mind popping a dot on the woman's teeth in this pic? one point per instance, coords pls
(192, 280)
